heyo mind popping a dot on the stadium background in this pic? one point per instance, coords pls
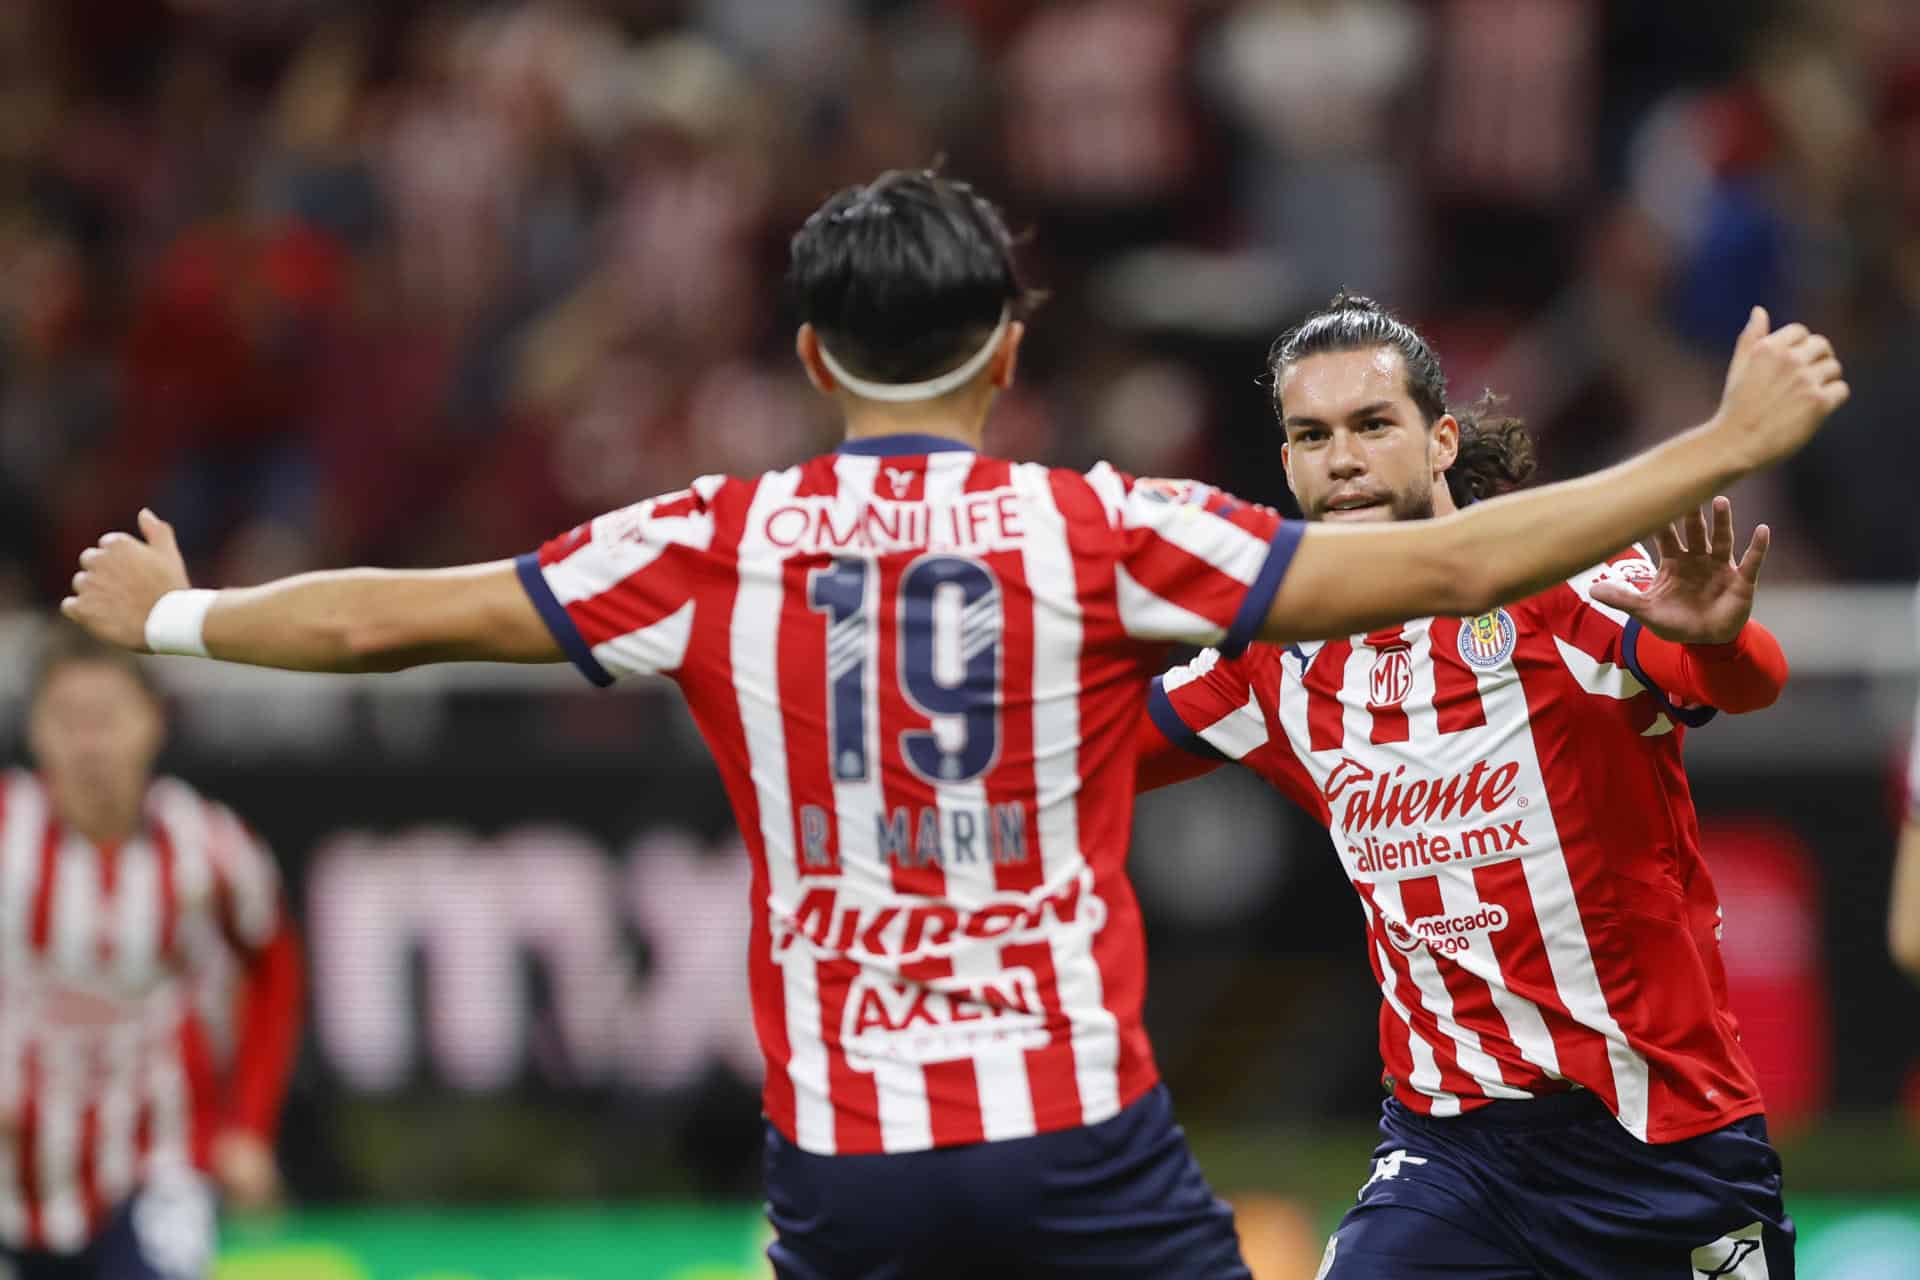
(408, 283)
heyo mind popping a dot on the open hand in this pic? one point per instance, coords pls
(1699, 595)
(121, 577)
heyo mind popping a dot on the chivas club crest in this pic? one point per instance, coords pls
(1487, 641)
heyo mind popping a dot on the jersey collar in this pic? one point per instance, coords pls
(902, 446)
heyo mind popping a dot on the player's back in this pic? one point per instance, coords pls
(919, 669)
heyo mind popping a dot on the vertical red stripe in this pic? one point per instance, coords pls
(92, 1207)
(1326, 719)
(1472, 998)
(1456, 690)
(903, 792)
(707, 680)
(804, 713)
(26, 1144)
(1522, 951)
(1050, 1068)
(42, 919)
(200, 1078)
(856, 1096)
(1389, 711)
(1445, 1054)
(953, 1087)
(1115, 674)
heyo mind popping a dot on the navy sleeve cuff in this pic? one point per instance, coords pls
(1630, 649)
(555, 615)
(1253, 610)
(1168, 720)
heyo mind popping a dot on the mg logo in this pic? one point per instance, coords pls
(1392, 678)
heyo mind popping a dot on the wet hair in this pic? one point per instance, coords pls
(1496, 453)
(67, 644)
(905, 277)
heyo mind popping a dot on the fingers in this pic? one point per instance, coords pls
(1826, 370)
(1693, 531)
(1720, 537)
(157, 531)
(1668, 542)
(1618, 595)
(70, 608)
(1756, 329)
(1789, 335)
(1835, 394)
(1749, 566)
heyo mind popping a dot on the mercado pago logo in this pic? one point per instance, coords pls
(1400, 821)
(1448, 934)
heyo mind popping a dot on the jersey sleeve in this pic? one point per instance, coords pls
(248, 901)
(1196, 566)
(1222, 709)
(1593, 637)
(618, 592)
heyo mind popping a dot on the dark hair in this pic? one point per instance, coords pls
(1496, 453)
(906, 276)
(67, 644)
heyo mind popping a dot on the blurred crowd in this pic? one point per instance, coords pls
(415, 281)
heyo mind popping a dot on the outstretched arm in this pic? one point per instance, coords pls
(341, 620)
(1348, 579)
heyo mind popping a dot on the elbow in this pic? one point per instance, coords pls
(373, 647)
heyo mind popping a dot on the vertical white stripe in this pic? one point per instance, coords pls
(1426, 1071)
(136, 915)
(1434, 996)
(1551, 886)
(119, 1107)
(63, 1216)
(1057, 640)
(185, 817)
(167, 1105)
(20, 843)
(71, 943)
(1423, 717)
(1525, 1027)
(1000, 1070)
(754, 646)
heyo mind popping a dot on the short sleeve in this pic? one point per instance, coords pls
(1607, 637)
(1198, 566)
(247, 883)
(1209, 707)
(618, 592)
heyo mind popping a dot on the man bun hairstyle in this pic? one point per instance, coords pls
(905, 277)
(1496, 453)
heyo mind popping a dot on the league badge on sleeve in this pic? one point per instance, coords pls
(1487, 641)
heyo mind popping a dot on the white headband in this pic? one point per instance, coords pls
(933, 388)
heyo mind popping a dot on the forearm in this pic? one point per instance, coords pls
(1519, 544)
(1745, 674)
(269, 1035)
(357, 620)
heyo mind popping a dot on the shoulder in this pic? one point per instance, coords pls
(1632, 566)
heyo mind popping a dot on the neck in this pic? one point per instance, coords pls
(103, 818)
(962, 419)
(1442, 497)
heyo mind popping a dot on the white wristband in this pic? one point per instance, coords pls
(174, 624)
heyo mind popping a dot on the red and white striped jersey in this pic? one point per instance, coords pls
(106, 1076)
(919, 670)
(1506, 794)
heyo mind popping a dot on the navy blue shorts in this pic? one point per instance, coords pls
(1123, 1198)
(1555, 1188)
(165, 1232)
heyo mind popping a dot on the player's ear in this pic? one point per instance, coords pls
(1286, 466)
(806, 345)
(1007, 359)
(1443, 444)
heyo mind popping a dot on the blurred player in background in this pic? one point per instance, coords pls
(1903, 917)
(919, 670)
(1569, 1095)
(112, 1107)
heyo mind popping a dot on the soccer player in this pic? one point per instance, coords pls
(1568, 1092)
(919, 669)
(112, 882)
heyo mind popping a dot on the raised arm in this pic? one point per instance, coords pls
(343, 620)
(1353, 578)
(1903, 913)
